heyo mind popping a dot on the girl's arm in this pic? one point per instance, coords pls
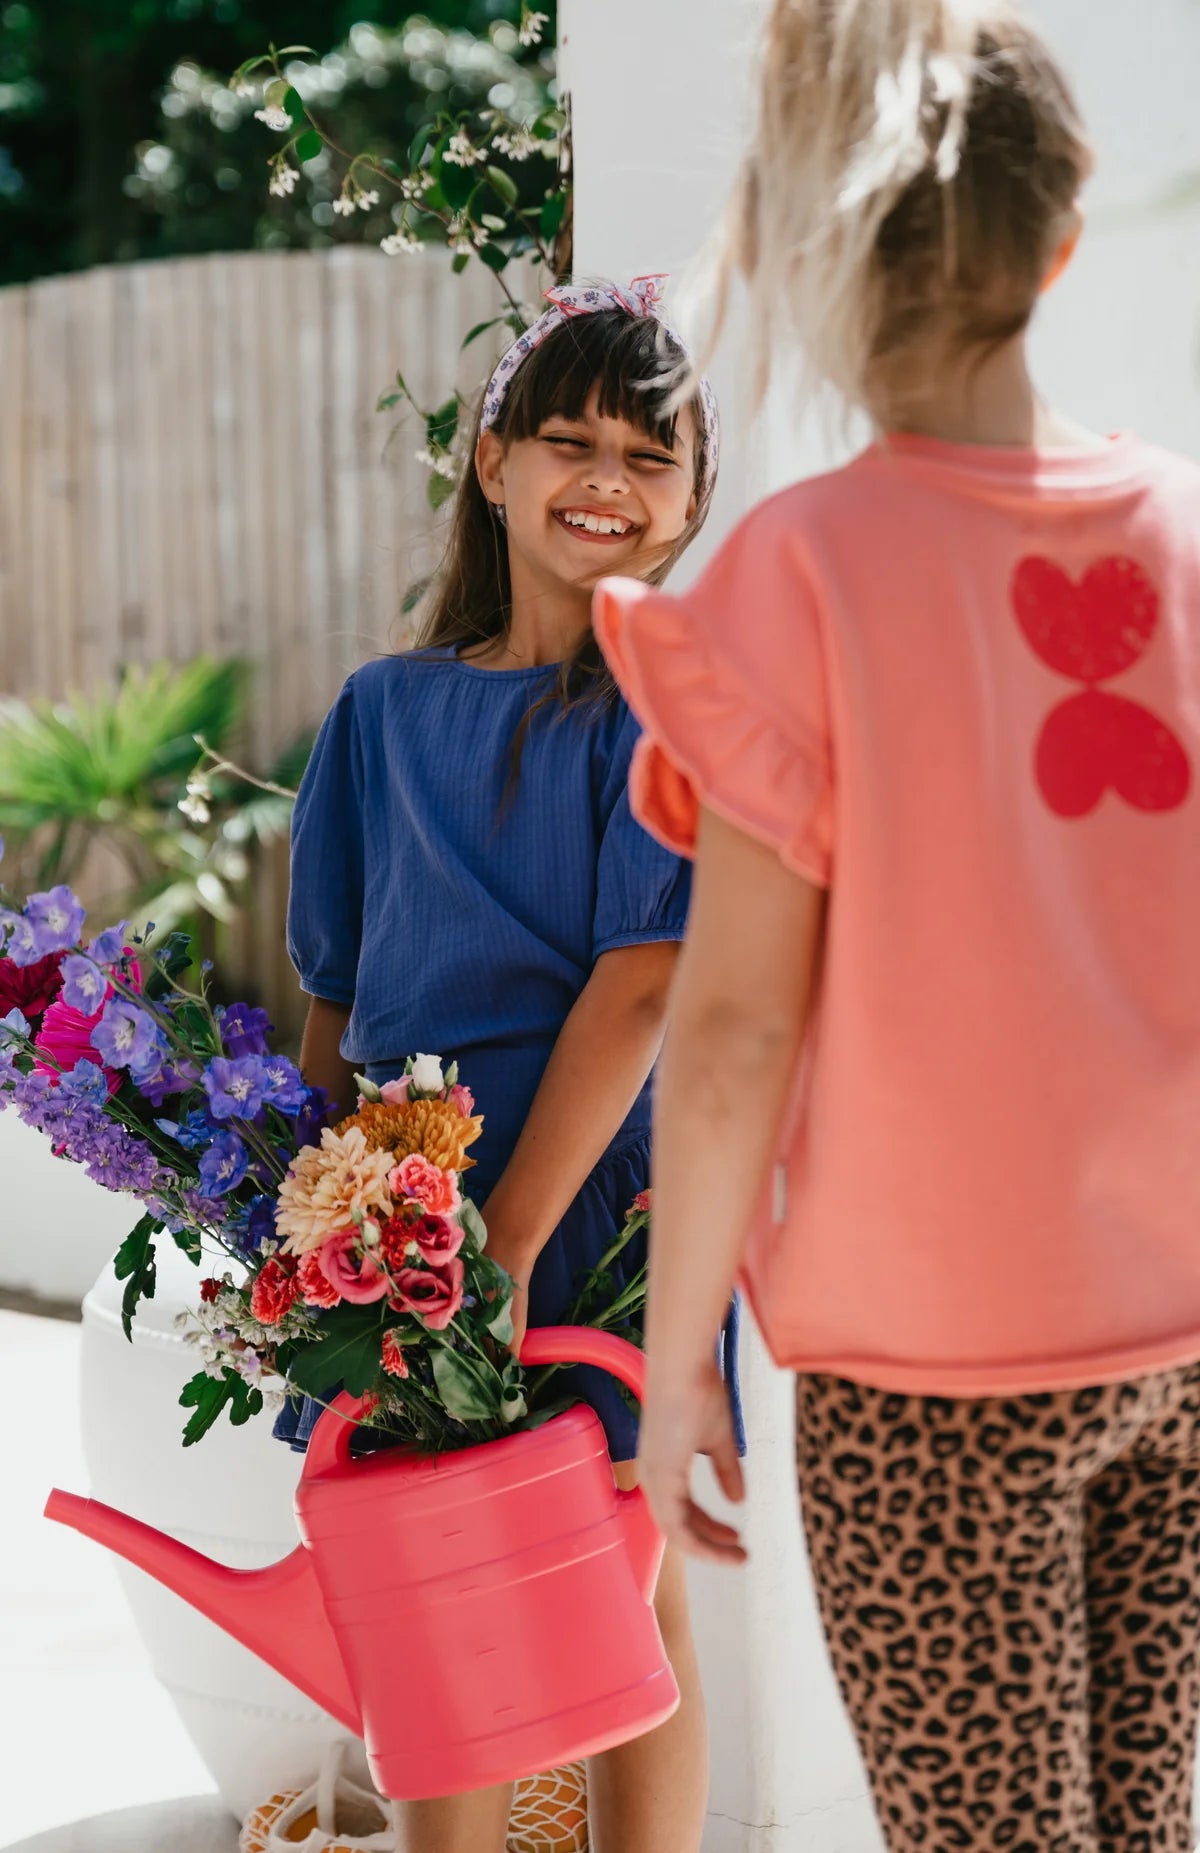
(321, 1061)
(598, 1067)
(739, 1011)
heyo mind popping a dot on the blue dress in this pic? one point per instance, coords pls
(459, 914)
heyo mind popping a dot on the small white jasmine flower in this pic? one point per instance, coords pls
(517, 147)
(462, 152)
(399, 244)
(367, 199)
(414, 189)
(283, 180)
(479, 236)
(343, 205)
(275, 117)
(532, 27)
(194, 809)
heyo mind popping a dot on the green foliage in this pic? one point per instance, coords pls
(134, 1264)
(208, 1396)
(118, 140)
(115, 768)
(349, 1356)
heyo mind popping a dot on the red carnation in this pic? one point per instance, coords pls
(274, 1292)
(315, 1286)
(31, 989)
(393, 1356)
(394, 1237)
(209, 1289)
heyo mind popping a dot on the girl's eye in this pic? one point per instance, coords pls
(561, 438)
(652, 456)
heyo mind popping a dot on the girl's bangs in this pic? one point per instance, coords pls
(633, 361)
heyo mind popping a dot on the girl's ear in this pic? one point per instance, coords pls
(1065, 250)
(489, 467)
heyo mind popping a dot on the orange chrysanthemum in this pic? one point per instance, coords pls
(434, 1128)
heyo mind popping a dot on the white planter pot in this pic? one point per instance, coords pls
(41, 1194)
(229, 1496)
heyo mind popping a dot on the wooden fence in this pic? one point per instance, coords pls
(191, 462)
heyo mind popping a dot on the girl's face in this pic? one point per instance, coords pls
(591, 495)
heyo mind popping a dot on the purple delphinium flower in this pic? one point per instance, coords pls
(172, 1078)
(194, 1132)
(209, 1211)
(285, 1088)
(223, 1165)
(312, 1118)
(235, 1086)
(22, 947)
(260, 1225)
(56, 918)
(118, 1161)
(244, 1030)
(124, 1035)
(13, 1027)
(34, 1096)
(108, 946)
(86, 1082)
(84, 984)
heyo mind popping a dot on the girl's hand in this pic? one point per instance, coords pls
(678, 1424)
(520, 1317)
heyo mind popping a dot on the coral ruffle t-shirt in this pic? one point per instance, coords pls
(961, 688)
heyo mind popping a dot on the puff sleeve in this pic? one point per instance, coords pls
(729, 681)
(642, 890)
(325, 902)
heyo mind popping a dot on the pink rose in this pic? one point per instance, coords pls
(273, 1292)
(315, 1287)
(641, 1202)
(462, 1098)
(433, 1293)
(354, 1276)
(419, 1179)
(437, 1237)
(396, 1093)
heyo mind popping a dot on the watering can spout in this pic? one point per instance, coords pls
(276, 1612)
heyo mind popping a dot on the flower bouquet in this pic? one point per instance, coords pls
(353, 1256)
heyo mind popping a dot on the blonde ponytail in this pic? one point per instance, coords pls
(911, 164)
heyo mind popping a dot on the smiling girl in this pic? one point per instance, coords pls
(467, 877)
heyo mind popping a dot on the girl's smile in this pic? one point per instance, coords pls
(605, 525)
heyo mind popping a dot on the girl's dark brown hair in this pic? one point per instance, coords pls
(636, 364)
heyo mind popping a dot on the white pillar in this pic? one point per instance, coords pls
(656, 90)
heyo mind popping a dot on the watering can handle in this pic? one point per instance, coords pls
(547, 1344)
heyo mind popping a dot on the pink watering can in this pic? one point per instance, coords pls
(476, 1617)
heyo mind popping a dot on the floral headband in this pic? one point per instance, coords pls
(643, 299)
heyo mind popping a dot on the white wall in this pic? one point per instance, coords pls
(659, 89)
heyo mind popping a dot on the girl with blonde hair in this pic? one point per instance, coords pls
(929, 726)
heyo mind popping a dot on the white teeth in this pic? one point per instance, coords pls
(597, 524)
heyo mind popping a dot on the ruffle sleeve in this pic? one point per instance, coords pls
(729, 683)
(325, 902)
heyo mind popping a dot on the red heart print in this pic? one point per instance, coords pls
(1089, 630)
(1096, 741)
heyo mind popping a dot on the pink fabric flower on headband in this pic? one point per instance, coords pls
(643, 300)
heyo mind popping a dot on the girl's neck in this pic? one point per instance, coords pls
(544, 628)
(987, 402)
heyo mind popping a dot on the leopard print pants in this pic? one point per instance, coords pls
(1011, 1597)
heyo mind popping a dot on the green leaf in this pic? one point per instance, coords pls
(208, 1396)
(553, 213)
(296, 51)
(492, 223)
(457, 183)
(494, 257)
(503, 185)
(171, 958)
(276, 95)
(461, 260)
(387, 400)
(500, 1325)
(134, 1263)
(309, 146)
(349, 1355)
(441, 427)
(439, 491)
(462, 1386)
(474, 1224)
(188, 1243)
(293, 102)
(419, 144)
(481, 328)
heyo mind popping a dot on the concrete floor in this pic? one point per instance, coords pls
(89, 1745)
